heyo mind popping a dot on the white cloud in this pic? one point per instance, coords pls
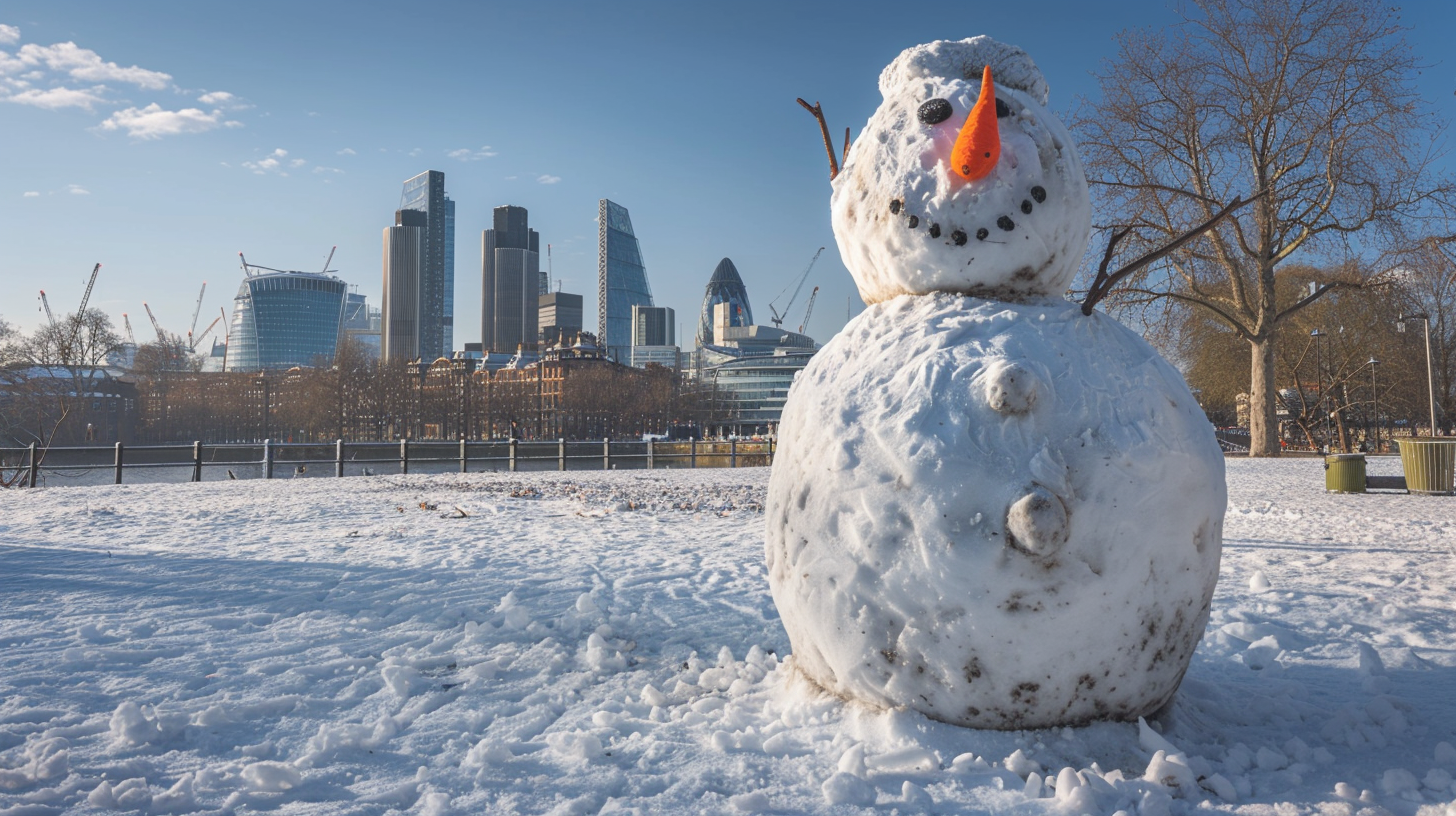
(76, 189)
(86, 65)
(57, 98)
(224, 100)
(467, 154)
(320, 170)
(153, 122)
(32, 194)
(297, 163)
(348, 151)
(273, 162)
(547, 179)
(414, 152)
(9, 35)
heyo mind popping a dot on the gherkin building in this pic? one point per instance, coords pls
(724, 287)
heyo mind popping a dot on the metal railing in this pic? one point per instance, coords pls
(266, 459)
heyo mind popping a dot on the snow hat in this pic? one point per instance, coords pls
(1011, 66)
(909, 221)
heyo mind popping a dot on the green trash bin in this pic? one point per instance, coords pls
(1429, 465)
(1345, 473)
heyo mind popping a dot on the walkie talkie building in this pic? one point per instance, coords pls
(286, 319)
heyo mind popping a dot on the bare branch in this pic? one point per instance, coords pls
(824, 131)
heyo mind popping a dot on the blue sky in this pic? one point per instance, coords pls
(167, 136)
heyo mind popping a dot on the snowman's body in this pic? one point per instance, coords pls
(985, 505)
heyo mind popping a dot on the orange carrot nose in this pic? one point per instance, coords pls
(979, 144)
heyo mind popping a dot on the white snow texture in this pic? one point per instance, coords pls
(1000, 515)
(906, 224)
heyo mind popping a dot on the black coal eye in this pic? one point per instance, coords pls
(934, 112)
(1038, 193)
(1001, 110)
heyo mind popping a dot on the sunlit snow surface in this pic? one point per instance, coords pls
(586, 642)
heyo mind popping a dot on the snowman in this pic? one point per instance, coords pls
(986, 506)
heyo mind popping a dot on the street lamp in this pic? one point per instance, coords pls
(1375, 404)
(1430, 374)
(1320, 383)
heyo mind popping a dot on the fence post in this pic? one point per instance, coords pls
(34, 465)
(606, 453)
(651, 460)
(338, 457)
(463, 460)
(733, 452)
(404, 456)
(118, 462)
(267, 458)
(512, 450)
(771, 442)
(561, 454)
(197, 461)
(693, 453)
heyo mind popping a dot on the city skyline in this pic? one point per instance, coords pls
(155, 110)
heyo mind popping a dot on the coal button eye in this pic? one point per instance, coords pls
(1001, 110)
(1038, 193)
(934, 112)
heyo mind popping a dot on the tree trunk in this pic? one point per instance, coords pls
(1263, 424)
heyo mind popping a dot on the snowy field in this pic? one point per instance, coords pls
(605, 642)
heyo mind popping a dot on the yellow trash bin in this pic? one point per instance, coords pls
(1345, 473)
(1429, 465)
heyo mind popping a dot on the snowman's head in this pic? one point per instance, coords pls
(956, 185)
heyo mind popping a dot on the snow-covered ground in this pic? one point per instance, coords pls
(597, 642)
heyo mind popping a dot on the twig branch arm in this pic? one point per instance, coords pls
(824, 131)
(1105, 282)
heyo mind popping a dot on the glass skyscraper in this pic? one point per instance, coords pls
(510, 282)
(286, 319)
(724, 287)
(426, 193)
(621, 279)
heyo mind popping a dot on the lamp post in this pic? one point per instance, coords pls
(1374, 405)
(1320, 385)
(1430, 374)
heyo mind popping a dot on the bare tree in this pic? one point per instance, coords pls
(1305, 108)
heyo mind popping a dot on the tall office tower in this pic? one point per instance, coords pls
(510, 282)
(560, 317)
(724, 287)
(653, 326)
(426, 193)
(404, 261)
(621, 279)
(286, 319)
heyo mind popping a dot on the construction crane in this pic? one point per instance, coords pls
(44, 301)
(126, 321)
(193, 344)
(327, 262)
(248, 268)
(161, 335)
(196, 310)
(80, 314)
(810, 310)
(778, 318)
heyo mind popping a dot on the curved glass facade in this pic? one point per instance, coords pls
(621, 279)
(284, 320)
(724, 287)
(751, 391)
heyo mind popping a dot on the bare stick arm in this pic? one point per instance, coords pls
(824, 131)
